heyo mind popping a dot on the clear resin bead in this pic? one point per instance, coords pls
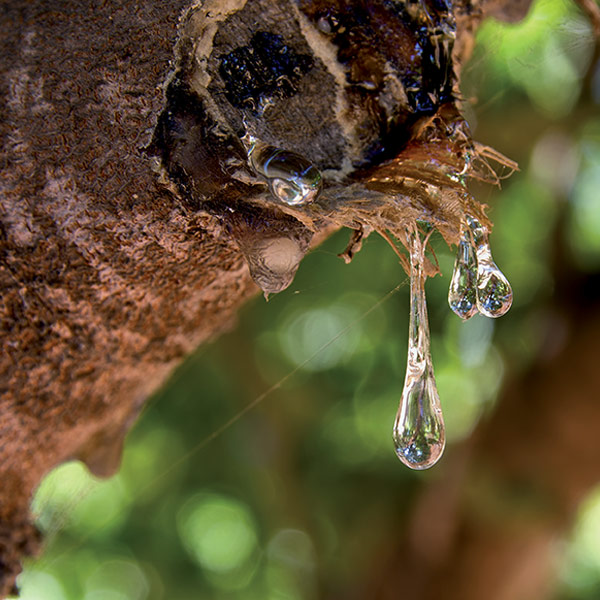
(462, 295)
(494, 294)
(292, 179)
(419, 435)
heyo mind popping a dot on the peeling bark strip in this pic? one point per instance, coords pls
(124, 186)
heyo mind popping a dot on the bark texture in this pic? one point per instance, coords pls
(117, 257)
(107, 282)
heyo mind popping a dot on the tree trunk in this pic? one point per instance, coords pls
(107, 282)
(122, 233)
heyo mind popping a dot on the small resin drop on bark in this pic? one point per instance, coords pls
(272, 243)
(273, 263)
(292, 179)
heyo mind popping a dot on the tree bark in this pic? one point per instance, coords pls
(107, 282)
(118, 251)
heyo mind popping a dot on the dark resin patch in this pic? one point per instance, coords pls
(263, 69)
(436, 80)
(432, 85)
(423, 31)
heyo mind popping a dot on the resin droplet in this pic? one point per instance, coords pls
(292, 179)
(419, 434)
(272, 243)
(274, 262)
(494, 294)
(462, 295)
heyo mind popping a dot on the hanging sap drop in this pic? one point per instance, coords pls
(272, 243)
(462, 295)
(292, 178)
(273, 262)
(419, 435)
(419, 428)
(494, 294)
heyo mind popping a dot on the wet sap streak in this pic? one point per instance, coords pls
(419, 435)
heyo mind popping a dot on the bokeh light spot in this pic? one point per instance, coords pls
(219, 532)
(117, 579)
(72, 498)
(584, 227)
(580, 564)
(319, 339)
(38, 585)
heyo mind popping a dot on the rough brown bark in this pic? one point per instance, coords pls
(111, 267)
(106, 281)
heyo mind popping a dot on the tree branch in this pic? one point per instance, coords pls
(126, 204)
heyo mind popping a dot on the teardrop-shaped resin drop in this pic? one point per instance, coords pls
(462, 295)
(273, 263)
(419, 435)
(272, 243)
(292, 178)
(494, 294)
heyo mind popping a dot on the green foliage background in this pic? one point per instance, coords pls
(298, 496)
